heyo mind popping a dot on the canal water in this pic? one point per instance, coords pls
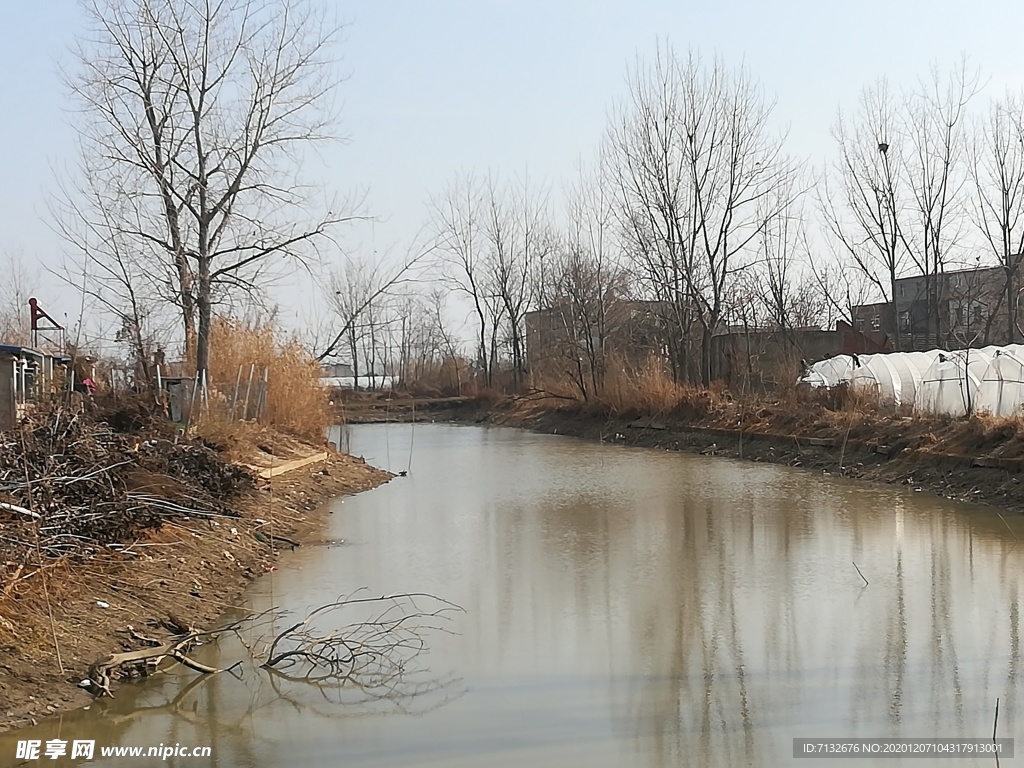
(621, 607)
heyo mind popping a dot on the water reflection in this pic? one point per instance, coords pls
(629, 607)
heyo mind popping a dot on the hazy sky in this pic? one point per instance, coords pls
(437, 86)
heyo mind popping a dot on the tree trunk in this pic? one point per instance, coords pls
(705, 355)
(205, 307)
(1011, 309)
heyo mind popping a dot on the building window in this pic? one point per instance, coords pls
(904, 320)
(876, 322)
(979, 312)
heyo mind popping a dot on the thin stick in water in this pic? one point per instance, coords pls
(412, 436)
(842, 453)
(866, 582)
(995, 722)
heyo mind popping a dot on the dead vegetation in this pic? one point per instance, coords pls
(71, 485)
(648, 396)
(244, 357)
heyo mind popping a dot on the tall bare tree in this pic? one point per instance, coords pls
(194, 115)
(789, 296)
(695, 156)
(519, 239)
(582, 289)
(896, 200)
(116, 280)
(449, 344)
(862, 197)
(458, 217)
(936, 123)
(360, 291)
(997, 174)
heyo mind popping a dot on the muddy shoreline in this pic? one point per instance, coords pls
(191, 571)
(930, 456)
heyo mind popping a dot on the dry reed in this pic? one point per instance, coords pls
(294, 401)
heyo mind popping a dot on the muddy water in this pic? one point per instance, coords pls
(622, 607)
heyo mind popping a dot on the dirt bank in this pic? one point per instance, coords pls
(977, 459)
(186, 570)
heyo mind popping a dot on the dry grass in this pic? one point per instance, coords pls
(645, 389)
(294, 401)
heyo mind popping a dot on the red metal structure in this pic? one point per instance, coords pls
(43, 322)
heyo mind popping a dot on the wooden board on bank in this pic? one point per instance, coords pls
(268, 472)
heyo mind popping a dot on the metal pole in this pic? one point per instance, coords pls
(192, 404)
(262, 401)
(248, 390)
(234, 400)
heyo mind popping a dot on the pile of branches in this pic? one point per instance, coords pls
(70, 484)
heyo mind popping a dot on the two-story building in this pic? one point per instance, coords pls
(951, 310)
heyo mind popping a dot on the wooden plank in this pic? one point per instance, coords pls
(993, 462)
(824, 442)
(268, 472)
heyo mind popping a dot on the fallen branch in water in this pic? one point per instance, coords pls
(145, 661)
(371, 654)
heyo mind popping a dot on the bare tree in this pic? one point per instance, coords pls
(936, 170)
(357, 292)
(582, 292)
(997, 173)
(194, 116)
(114, 277)
(897, 202)
(789, 294)
(695, 156)
(519, 239)
(863, 205)
(839, 288)
(448, 341)
(19, 283)
(458, 218)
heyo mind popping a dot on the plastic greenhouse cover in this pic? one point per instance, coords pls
(989, 379)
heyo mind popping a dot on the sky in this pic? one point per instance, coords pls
(434, 89)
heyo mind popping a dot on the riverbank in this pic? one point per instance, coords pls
(977, 459)
(181, 569)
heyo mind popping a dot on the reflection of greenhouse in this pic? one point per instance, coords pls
(988, 380)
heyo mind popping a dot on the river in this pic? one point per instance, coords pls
(621, 607)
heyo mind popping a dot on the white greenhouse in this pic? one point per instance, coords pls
(1001, 389)
(956, 383)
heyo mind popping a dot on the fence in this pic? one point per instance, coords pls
(187, 399)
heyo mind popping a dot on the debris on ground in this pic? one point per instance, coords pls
(70, 484)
